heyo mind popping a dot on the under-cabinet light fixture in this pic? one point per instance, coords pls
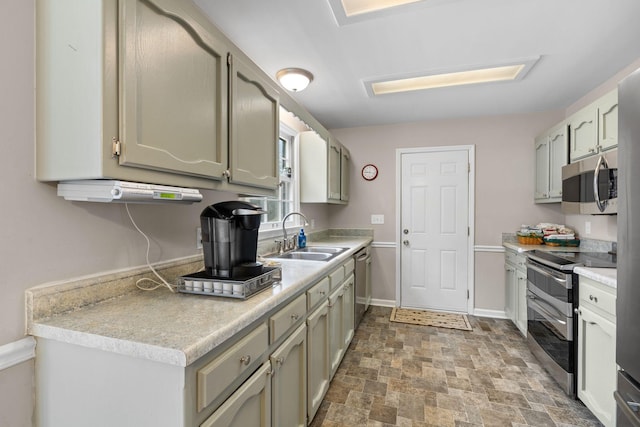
(294, 79)
(459, 78)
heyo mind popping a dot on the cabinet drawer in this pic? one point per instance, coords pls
(317, 293)
(597, 295)
(216, 376)
(336, 277)
(349, 266)
(517, 259)
(280, 322)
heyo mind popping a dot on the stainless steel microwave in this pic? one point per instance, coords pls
(590, 186)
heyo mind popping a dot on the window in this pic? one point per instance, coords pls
(286, 199)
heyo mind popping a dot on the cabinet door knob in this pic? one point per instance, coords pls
(405, 231)
(295, 316)
(594, 299)
(405, 242)
(245, 360)
(226, 173)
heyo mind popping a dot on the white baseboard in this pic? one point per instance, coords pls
(383, 302)
(496, 314)
(17, 352)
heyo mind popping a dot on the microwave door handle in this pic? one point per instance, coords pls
(602, 163)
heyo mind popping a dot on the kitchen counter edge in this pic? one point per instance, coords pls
(162, 326)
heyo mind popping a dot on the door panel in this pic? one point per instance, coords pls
(434, 211)
(173, 112)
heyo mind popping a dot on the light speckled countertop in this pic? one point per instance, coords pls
(607, 276)
(167, 327)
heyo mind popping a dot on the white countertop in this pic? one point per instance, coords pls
(607, 276)
(177, 328)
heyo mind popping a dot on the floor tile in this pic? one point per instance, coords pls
(403, 375)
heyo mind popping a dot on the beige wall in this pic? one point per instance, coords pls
(504, 166)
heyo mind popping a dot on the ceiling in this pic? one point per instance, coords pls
(580, 44)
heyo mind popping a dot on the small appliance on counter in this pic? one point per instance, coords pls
(230, 245)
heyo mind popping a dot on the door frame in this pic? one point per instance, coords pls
(470, 149)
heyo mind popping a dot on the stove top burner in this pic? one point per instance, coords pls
(565, 260)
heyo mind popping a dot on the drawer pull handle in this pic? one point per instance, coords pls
(245, 360)
(280, 360)
(322, 292)
(295, 316)
(594, 299)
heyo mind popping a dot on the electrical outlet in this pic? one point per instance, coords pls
(587, 227)
(377, 219)
(198, 238)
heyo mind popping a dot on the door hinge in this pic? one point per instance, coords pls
(468, 167)
(115, 147)
(468, 231)
(229, 59)
(467, 293)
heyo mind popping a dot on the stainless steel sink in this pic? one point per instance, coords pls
(321, 249)
(312, 253)
(309, 256)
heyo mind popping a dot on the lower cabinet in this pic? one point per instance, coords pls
(349, 312)
(515, 282)
(597, 349)
(336, 328)
(318, 360)
(289, 381)
(250, 405)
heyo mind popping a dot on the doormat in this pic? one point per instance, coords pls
(431, 318)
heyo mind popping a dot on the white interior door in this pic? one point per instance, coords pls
(434, 223)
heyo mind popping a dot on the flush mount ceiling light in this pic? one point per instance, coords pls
(294, 79)
(458, 78)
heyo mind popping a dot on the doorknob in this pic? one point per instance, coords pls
(405, 231)
(405, 242)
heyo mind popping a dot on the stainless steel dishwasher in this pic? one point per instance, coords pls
(363, 283)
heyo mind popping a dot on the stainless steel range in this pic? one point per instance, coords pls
(552, 298)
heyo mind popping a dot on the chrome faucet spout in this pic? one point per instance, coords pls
(284, 220)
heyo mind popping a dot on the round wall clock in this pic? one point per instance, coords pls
(369, 172)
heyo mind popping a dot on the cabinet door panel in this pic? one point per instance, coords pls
(583, 133)
(557, 159)
(250, 405)
(254, 120)
(542, 168)
(318, 364)
(345, 166)
(597, 365)
(336, 328)
(289, 383)
(334, 170)
(608, 121)
(173, 91)
(349, 310)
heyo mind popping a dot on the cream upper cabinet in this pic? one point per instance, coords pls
(324, 169)
(345, 169)
(254, 127)
(143, 91)
(594, 128)
(551, 156)
(173, 87)
(608, 121)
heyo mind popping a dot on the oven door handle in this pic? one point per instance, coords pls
(544, 311)
(563, 282)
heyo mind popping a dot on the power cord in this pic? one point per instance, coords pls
(146, 279)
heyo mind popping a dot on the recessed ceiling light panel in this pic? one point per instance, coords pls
(475, 75)
(357, 7)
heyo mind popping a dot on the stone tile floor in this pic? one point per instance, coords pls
(396, 374)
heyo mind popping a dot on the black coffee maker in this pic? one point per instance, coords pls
(230, 239)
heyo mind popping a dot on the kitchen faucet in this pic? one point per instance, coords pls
(290, 245)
